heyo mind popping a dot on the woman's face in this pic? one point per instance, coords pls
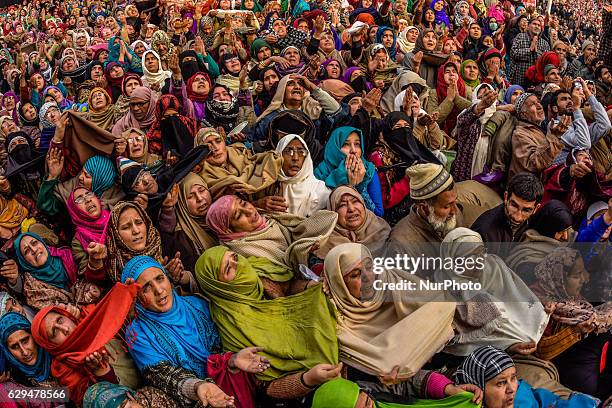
(327, 43)
(523, 24)
(303, 27)
(270, 79)
(200, 85)
(515, 95)
(145, 184)
(156, 292)
(22, 346)
(488, 41)
(56, 95)
(198, 200)
(139, 49)
(294, 155)
(221, 94)
(475, 32)
(333, 70)
(87, 202)
(402, 25)
(132, 230)
(352, 145)
(9, 103)
(218, 150)
(351, 212)
(293, 56)
(249, 4)
(499, 391)
(449, 46)
(233, 65)
(264, 53)
(366, 3)
(151, 62)
(53, 115)
(387, 38)
(103, 56)
(430, 16)
(225, 4)
(33, 251)
(470, 71)
(116, 72)
(576, 278)
(412, 35)
(464, 9)
(85, 179)
(430, 41)
(229, 266)
(450, 74)
(81, 41)
(58, 327)
(8, 126)
(136, 145)
(244, 217)
(280, 28)
(130, 85)
(98, 100)
(359, 280)
(439, 6)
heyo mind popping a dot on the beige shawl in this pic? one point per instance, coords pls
(287, 239)
(191, 225)
(389, 330)
(533, 248)
(373, 233)
(255, 172)
(309, 105)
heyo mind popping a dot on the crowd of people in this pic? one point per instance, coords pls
(193, 197)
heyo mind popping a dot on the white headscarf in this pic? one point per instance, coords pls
(133, 45)
(303, 192)
(158, 77)
(402, 40)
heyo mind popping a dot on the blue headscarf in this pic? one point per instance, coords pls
(510, 91)
(103, 173)
(331, 170)
(106, 395)
(9, 324)
(379, 34)
(114, 51)
(183, 336)
(52, 272)
(441, 16)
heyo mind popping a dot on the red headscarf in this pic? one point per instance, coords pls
(194, 96)
(535, 73)
(97, 326)
(128, 77)
(442, 91)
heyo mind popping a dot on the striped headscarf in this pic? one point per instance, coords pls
(482, 365)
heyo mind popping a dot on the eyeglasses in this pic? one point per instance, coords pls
(292, 152)
(138, 104)
(81, 199)
(133, 140)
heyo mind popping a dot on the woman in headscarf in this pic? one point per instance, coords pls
(49, 115)
(471, 76)
(494, 372)
(82, 341)
(90, 220)
(355, 223)
(462, 12)
(222, 108)
(114, 73)
(117, 47)
(101, 109)
(191, 236)
(29, 363)
(171, 131)
(49, 272)
(369, 319)
(472, 143)
(512, 93)
(471, 46)
(30, 121)
(141, 114)
(548, 229)
(136, 147)
(235, 285)
(139, 47)
(130, 233)
(504, 313)
(108, 395)
(161, 44)
(426, 43)
(406, 40)
(190, 64)
(395, 150)
(293, 57)
(450, 105)
(122, 105)
(198, 89)
(285, 239)
(54, 94)
(24, 167)
(303, 192)
(173, 340)
(384, 72)
(234, 166)
(9, 104)
(344, 163)
(386, 36)
(154, 76)
(441, 20)
(577, 333)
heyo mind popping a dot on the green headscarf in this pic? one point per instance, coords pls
(256, 7)
(257, 45)
(474, 83)
(297, 332)
(341, 393)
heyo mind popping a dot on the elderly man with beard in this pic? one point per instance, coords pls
(533, 150)
(433, 215)
(506, 223)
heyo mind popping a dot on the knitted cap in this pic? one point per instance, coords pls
(520, 101)
(548, 68)
(586, 43)
(428, 180)
(482, 365)
(129, 172)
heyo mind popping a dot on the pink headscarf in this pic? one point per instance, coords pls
(88, 229)
(218, 219)
(129, 121)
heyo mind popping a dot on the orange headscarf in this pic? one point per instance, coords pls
(97, 326)
(12, 213)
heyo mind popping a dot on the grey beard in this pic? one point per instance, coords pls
(440, 225)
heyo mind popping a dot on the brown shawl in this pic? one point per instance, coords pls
(192, 225)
